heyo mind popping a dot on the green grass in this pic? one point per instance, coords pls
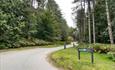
(68, 60)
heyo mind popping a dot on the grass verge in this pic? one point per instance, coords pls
(68, 60)
(29, 47)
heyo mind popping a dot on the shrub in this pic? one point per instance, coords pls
(33, 42)
(111, 55)
(102, 48)
(2, 46)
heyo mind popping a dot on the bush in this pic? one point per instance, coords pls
(33, 42)
(103, 48)
(2, 46)
(23, 43)
(111, 55)
(100, 48)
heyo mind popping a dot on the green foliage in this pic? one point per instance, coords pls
(61, 28)
(100, 48)
(23, 25)
(102, 35)
(45, 28)
(101, 26)
(111, 56)
(33, 42)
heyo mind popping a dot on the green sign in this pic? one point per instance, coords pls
(83, 50)
(86, 50)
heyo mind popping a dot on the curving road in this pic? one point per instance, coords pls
(32, 59)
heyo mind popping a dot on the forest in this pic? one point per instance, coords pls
(95, 30)
(35, 33)
(95, 25)
(95, 20)
(30, 23)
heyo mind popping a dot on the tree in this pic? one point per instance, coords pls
(22, 23)
(102, 34)
(60, 23)
(84, 15)
(93, 19)
(97, 28)
(109, 23)
(89, 20)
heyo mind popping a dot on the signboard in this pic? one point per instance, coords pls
(83, 50)
(86, 50)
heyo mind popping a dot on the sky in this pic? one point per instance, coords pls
(66, 9)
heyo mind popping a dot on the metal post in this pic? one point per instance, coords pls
(78, 54)
(65, 45)
(92, 56)
(73, 44)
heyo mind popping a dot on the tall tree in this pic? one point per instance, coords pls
(29, 21)
(89, 19)
(109, 23)
(93, 19)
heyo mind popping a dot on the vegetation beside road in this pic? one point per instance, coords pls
(102, 49)
(21, 24)
(56, 44)
(68, 60)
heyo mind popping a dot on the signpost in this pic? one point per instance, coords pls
(65, 45)
(86, 50)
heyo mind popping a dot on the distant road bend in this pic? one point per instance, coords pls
(32, 59)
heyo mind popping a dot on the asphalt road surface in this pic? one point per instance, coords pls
(31, 59)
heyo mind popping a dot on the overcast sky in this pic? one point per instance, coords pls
(66, 8)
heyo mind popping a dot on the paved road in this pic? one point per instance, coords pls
(32, 59)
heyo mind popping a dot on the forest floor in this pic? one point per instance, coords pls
(68, 60)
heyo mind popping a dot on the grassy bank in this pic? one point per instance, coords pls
(55, 44)
(29, 47)
(35, 43)
(68, 60)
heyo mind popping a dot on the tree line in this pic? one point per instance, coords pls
(30, 22)
(95, 20)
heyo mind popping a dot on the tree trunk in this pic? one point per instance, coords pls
(109, 23)
(89, 28)
(81, 26)
(93, 19)
(84, 22)
(89, 21)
